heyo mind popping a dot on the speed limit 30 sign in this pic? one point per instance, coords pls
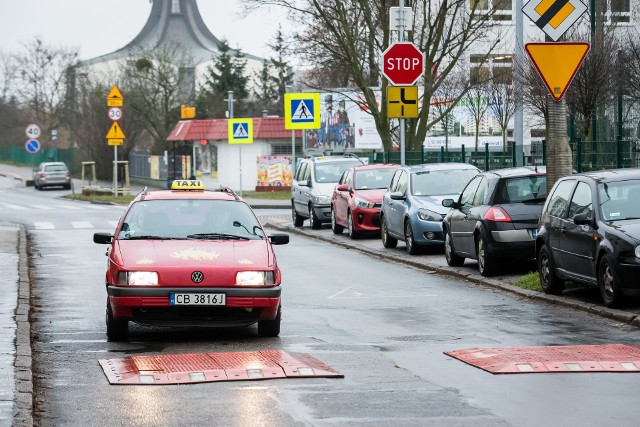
(115, 113)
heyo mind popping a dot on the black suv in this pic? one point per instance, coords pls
(495, 218)
(589, 233)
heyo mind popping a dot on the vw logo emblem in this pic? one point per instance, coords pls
(197, 277)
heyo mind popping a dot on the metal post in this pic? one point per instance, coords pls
(518, 124)
(115, 170)
(402, 135)
(579, 155)
(230, 101)
(486, 156)
(462, 153)
(193, 160)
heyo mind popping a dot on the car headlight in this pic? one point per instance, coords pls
(322, 200)
(637, 251)
(254, 278)
(138, 278)
(362, 203)
(427, 215)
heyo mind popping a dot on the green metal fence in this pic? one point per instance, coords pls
(20, 156)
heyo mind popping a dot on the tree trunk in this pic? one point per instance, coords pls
(559, 160)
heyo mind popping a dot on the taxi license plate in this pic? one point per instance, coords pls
(197, 299)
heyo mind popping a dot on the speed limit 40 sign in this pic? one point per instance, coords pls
(115, 113)
(33, 131)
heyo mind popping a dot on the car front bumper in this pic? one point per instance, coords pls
(366, 219)
(427, 232)
(150, 305)
(323, 212)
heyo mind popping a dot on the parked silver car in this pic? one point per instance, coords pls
(52, 174)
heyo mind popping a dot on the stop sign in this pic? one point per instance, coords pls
(402, 63)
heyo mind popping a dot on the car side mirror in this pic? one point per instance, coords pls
(303, 183)
(449, 203)
(342, 187)
(397, 195)
(279, 238)
(582, 219)
(104, 238)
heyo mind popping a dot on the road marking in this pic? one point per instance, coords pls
(97, 207)
(44, 225)
(73, 208)
(16, 207)
(42, 207)
(81, 224)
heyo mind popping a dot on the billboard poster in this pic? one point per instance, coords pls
(274, 171)
(344, 123)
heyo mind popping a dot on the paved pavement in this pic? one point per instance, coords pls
(16, 388)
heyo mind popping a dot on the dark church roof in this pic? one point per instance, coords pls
(171, 21)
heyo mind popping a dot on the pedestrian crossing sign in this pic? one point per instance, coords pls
(301, 111)
(240, 131)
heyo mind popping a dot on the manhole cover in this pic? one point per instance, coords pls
(210, 367)
(572, 358)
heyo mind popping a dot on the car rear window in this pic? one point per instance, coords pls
(55, 168)
(373, 178)
(441, 182)
(332, 171)
(521, 189)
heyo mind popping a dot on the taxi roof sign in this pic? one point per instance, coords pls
(557, 63)
(187, 185)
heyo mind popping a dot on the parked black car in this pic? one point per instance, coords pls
(495, 218)
(589, 233)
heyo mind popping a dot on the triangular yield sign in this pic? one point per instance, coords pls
(557, 63)
(115, 132)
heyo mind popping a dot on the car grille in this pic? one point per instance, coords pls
(375, 219)
(377, 205)
(188, 314)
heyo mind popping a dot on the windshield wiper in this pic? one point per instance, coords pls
(149, 238)
(222, 236)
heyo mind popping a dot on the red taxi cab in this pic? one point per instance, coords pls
(190, 257)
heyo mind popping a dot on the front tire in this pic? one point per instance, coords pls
(486, 262)
(270, 328)
(297, 219)
(387, 241)
(609, 283)
(117, 329)
(315, 221)
(335, 227)
(453, 260)
(550, 283)
(412, 247)
(353, 234)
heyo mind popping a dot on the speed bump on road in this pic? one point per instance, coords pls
(546, 359)
(214, 367)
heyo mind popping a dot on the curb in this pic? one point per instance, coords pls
(631, 319)
(23, 404)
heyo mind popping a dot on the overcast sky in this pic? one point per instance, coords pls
(98, 27)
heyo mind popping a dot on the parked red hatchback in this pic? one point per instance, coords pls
(190, 257)
(357, 199)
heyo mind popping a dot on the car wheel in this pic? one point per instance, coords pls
(67, 186)
(412, 247)
(353, 234)
(609, 283)
(387, 240)
(315, 221)
(486, 262)
(297, 219)
(550, 283)
(117, 329)
(335, 227)
(270, 328)
(453, 260)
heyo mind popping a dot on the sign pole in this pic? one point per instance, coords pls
(402, 132)
(115, 170)
(230, 100)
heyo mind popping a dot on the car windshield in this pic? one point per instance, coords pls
(190, 219)
(440, 182)
(55, 168)
(521, 189)
(370, 179)
(619, 200)
(332, 171)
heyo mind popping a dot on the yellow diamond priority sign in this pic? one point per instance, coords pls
(557, 63)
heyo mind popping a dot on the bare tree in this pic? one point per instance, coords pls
(345, 38)
(475, 101)
(502, 100)
(443, 102)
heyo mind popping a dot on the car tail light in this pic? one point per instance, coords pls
(497, 214)
(68, 174)
(42, 174)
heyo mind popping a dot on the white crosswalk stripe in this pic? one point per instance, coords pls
(15, 207)
(81, 224)
(96, 207)
(44, 225)
(43, 207)
(73, 208)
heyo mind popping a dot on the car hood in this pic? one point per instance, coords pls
(156, 254)
(434, 203)
(373, 195)
(630, 228)
(324, 188)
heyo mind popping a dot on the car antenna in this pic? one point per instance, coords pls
(145, 191)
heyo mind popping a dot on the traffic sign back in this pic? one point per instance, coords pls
(557, 63)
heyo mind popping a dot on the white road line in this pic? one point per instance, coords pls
(43, 207)
(73, 208)
(16, 207)
(81, 224)
(44, 225)
(96, 207)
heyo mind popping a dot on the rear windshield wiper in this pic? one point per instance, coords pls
(215, 236)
